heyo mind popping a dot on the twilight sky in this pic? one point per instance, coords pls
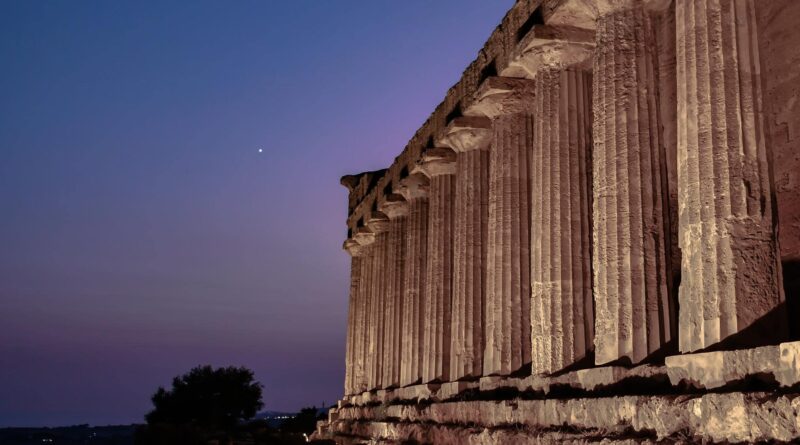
(141, 232)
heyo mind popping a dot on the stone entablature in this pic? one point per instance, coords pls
(599, 191)
(493, 59)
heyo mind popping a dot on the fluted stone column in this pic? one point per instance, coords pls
(509, 103)
(365, 240)
(469, 137)
(562, 314)
(730, 257)
(414, 189)
(559, 59)
(356, 252)
(378, 223)
(396, 208)
(668, 109)
(631, 279)
(438, 165)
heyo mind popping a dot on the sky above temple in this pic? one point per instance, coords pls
(142, 232)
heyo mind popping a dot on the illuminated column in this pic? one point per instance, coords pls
(365, 239)
(509, 103)
(562, 316)
(559, 60)
(730, 257)
(356, 252)
(438, 164)
(377, 223)
(631, 270)
(414, 189)
(396, 208)
(469, 137)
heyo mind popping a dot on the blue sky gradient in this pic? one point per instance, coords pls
(141, 231)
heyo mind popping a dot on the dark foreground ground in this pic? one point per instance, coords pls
(123, 435)
(70, 435)
(269, 428)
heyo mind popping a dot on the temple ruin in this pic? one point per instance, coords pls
(595, 236)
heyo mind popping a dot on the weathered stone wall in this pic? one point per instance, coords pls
(596, 235)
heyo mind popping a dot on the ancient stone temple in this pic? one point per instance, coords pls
(595, 236)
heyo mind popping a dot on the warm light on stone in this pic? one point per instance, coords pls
(593, 238)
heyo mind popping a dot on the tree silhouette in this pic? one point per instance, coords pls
(208, 398)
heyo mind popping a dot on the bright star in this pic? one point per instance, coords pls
(260, 150)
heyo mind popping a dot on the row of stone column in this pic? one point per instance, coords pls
(539, 232)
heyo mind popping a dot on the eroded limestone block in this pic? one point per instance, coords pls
(417, 392)
(452, 389)
(716, 369)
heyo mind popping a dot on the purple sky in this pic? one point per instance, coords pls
(141, 232)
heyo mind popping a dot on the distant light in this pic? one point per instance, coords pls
(260, 150)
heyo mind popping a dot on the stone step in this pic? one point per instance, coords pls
(732, 417)
(776, 366)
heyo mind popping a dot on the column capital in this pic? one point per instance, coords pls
(498, 96)
(436, 162)
(553, 47)
(468, 133)
(353, 247)
(413, 186)
(377, 222)
(584, 13)
(363, 236)
(394, 206)
(606, 7)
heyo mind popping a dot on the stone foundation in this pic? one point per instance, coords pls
(731, 417)
(755, 397)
